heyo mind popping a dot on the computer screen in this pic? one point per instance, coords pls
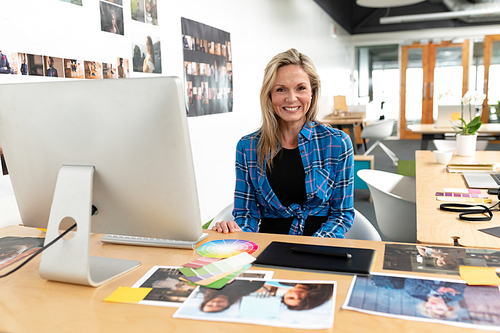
(134, 134)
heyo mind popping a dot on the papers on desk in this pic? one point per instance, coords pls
(162, 286)
(14, 249)
(436, 259)
(422, 299)
(472, 167)
(265, 302)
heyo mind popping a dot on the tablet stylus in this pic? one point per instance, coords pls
(325, 253)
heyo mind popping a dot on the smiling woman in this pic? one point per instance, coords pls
(294, 175)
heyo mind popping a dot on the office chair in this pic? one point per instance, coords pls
(361, 227)
(394, 200)
(378, 131)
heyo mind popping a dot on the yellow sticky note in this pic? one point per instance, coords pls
(479, 276)
(455, 116)
(128, 295)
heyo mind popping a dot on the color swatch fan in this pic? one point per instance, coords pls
(225, 248)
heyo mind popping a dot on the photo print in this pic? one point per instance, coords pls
(123, 68)
(13, 249)
(281, 303)
(206, 64)
(109, 71)
(111, 17)
(53, 66)
(146, 52)
(170, 290)
(437, 259)
(93, 70)
(74, 2)
(22, 60)
(422, 299)
(8, 62)
(144, 11)
(74, 69)
(35, 65)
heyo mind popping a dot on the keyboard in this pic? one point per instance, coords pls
(146, 241)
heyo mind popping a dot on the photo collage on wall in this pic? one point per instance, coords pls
(145, 48)
(207, 69)
(52, 66)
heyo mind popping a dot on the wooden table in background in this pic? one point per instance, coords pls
(32, 304)
(350, 121)
(431, 132)
(435, 226)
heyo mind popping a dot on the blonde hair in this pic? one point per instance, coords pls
(268, 147)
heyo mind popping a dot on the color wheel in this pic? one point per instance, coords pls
(225, 248)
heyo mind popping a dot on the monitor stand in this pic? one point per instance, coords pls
(69, 260)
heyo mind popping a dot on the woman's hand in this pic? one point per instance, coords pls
(226, 227)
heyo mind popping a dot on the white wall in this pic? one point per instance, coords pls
(259, 29)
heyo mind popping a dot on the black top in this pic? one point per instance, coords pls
(288, 181)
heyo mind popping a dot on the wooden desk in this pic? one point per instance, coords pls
(31, 304)
(350, 121)
(430, 132)
(435, 226)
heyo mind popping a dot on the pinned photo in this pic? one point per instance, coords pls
(93, 70)
(53, 66)
(73, 69)
(146, 55)
(123, 68)
(35, 65)
(111, 18)
(109, 71)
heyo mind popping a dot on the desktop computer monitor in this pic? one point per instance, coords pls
(121, 146)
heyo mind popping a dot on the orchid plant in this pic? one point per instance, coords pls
(471, 98)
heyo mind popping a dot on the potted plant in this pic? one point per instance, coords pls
(467, 131)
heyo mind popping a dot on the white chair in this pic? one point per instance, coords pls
(394, 200)
(378, 131)
(361, 227)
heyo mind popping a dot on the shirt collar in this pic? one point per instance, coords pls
(307, 131)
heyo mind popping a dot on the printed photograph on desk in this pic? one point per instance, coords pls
(13, 249)
(170, 290)
(437, 259)
(281, 303)
(421, 299)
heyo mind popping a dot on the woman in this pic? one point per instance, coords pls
(218, 300)
(114, 27)
(149, 62)
(294, 175)
(307, 296)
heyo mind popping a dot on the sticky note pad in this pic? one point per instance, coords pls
(128, 295)
(479, 276)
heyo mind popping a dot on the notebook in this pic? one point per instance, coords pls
(482, 180)
(281, 254)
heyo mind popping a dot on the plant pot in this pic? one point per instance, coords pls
(466, 145)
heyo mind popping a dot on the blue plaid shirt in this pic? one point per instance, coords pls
(327, 157)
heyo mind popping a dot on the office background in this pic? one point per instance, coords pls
(259, 29)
